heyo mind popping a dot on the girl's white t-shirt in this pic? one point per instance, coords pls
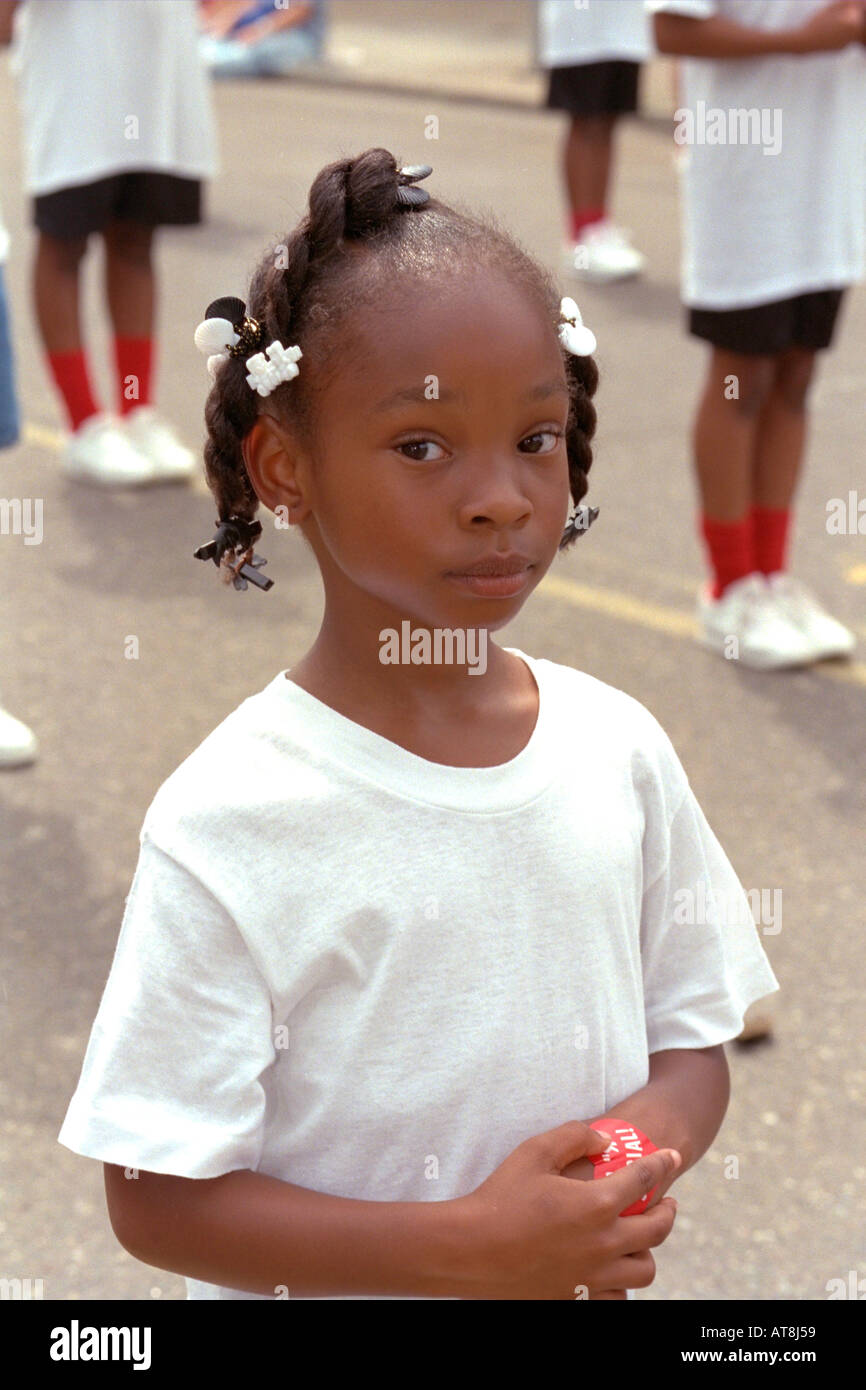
(111, 88)
(371, 975)
(774, 198)
(568, 34)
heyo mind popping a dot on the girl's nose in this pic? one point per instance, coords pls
(497, 499)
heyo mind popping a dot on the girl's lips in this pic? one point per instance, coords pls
(493, 585)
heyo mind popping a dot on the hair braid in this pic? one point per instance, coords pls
(350, 199)
(582, 376)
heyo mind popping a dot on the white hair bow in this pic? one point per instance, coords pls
(574, 335)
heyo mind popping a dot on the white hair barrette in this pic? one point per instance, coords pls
(574, 335)
(268, 369)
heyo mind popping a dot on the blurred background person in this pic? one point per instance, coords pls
(593, 53)
(260, 38)
(17, 742)
(118, 133)
(773, 235)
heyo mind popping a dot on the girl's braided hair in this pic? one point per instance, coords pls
(356, 240)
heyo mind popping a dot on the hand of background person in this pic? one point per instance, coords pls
(832, 28)
(7, 16)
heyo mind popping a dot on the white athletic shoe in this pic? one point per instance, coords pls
(604, 253)
(153, 437)
(99, 452)
(17, 743)
(828, 636)
(746, 625)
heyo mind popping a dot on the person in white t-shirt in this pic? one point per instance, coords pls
(772, 126)
(593, 53)
(423, 907)
(118, 134)
(18, 744)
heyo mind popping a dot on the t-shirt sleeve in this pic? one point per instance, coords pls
(693, 9)
(172, 1076)
(703, 961)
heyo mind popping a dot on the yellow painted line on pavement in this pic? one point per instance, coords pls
(44, 435)
(617, 605)
(48, 438)
(671, 621)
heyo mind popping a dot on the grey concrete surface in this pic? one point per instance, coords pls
(777, 761)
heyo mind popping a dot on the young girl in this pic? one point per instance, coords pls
(399, 931)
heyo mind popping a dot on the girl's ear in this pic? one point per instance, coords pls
(273, 462)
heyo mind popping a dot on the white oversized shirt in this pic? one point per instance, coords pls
(371, 975)
(106, 88)
(600, 31)
(760, 227)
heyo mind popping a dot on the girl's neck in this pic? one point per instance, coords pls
(440, 711)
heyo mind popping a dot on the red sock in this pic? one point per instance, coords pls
(69, 370)
(583, 218)
(730, 548)
(771, 536)
(133, 358)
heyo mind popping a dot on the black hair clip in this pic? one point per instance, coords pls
(581, 521)
(225, 316)
(234, 537)
(412, 173)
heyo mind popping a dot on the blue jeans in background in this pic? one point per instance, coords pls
(10, 424)
(271, 57)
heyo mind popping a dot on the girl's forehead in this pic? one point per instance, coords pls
(478, 316)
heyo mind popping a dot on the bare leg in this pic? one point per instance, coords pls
(781, 438)
(56, 292)
(588, 155)
(130, 283)
(725, 432)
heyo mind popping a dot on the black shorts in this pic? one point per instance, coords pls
(594, 89)
(146, 196)
(805, 320)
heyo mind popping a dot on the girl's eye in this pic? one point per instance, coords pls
(553, 435)
(419, 444)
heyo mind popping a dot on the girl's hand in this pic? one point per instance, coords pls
(533, 1235)
(834, 27)
(583, 1170)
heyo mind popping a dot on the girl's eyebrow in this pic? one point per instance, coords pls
(416, 395)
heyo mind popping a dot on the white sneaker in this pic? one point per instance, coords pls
(99, 452)
(604, 253)
(746, 625)
(156, 440)
(17, 743)
(827, 636)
